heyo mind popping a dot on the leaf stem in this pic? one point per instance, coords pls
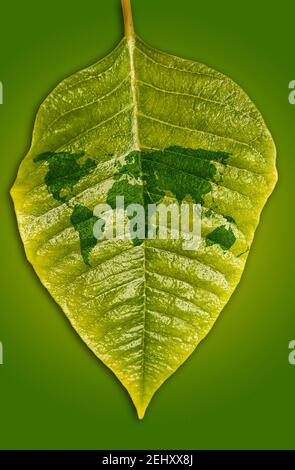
(128, 20)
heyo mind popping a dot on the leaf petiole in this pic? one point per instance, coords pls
(128, 20)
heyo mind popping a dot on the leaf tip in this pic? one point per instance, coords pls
(141, 413)
(141, 405)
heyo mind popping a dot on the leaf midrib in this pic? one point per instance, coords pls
(136, 146)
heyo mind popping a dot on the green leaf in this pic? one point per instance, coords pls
(154, 128)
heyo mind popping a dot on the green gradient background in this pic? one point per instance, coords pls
(237, 390)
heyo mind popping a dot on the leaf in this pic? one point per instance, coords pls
(154, 128)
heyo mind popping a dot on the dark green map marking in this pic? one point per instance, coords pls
(64, 171)
(144, 178)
